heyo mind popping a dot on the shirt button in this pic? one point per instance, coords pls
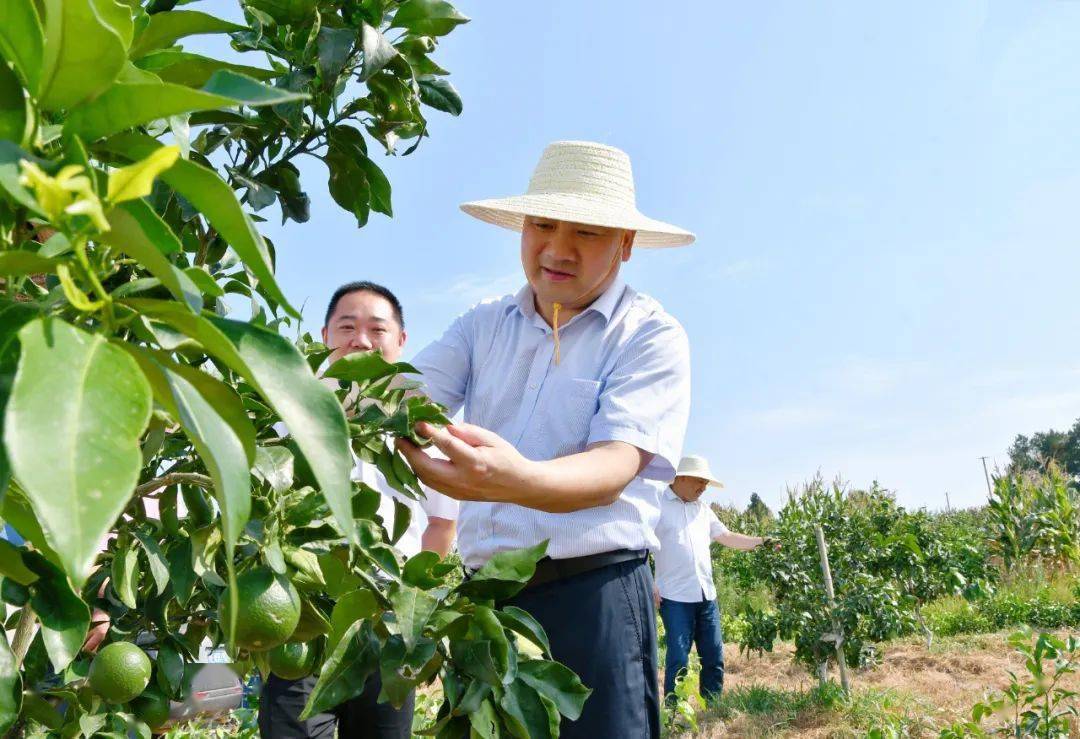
(532, 387)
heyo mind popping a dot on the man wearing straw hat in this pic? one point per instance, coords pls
(685, 592)
(576, 393)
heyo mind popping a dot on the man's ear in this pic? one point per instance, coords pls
(324, 334)
(404, 338)
(627, 244)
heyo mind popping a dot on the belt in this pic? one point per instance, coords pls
(551, 570)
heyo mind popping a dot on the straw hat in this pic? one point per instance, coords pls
(694, 466)
(581, 182)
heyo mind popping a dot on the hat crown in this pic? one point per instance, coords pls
(585, 169)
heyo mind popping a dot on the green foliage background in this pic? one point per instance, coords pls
(133, 178)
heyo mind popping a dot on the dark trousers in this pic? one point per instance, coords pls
(697, 623)
(362, 717)
(602, 625)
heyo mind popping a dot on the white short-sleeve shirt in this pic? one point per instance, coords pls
(623, 375)
(434, 505)
(684, 563)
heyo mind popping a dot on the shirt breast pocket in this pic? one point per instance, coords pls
(570, 407)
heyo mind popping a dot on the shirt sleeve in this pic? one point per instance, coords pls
(437, 505)
(716, 526)
(645, 400)
(445, 364)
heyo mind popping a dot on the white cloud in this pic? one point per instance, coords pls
(741, 268)
(470, 288)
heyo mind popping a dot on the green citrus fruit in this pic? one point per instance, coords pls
(269, 609)
(294, 660)
(152, 707)
(119, 672)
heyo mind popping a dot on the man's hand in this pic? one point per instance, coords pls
(479, 464)
(771, 542)
(656, 595)
(99, 629)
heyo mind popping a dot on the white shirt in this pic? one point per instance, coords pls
(684, 564)
(434, 505)
(624, 375)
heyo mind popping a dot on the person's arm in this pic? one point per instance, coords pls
(637, 430)
(438, 536)
(481, 465)
(445, 364)
(741, 542)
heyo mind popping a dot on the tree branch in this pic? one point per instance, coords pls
(172, 479)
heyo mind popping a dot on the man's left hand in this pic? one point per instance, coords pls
(479, 464)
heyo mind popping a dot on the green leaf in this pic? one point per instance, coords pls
(401, 667)
(285, 12)
(440, 94)
(159, 566)
(377, 51)
(22, 40)
(379, 187)
(334, 45)
(218, 445)
(140, 233)
(310, 410)
(402, 516)
(521, 622)
(11, 564)
(218, 204)
(16, 115)
(346, 671)
(78, 474)
(350, 608)
(485, 721)
(428, 17)
(137, 180)
(348, 182)
(10, 687)
(361, 367)
(412, 607)
(424, 570)
(558, 683)
(180, 570)
(275, 465)
(26, 263)
(13, 316)
(63, 614)
(165, 28)
(125, 105)
(170, 668)
(313, 623)
(531, 715)
(125, 575)
(504, 574)
(86, 45)
(193, 70)
(10, 156)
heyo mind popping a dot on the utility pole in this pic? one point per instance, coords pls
(948, 506)
(989, 487)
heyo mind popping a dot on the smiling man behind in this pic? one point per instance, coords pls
(575, 392)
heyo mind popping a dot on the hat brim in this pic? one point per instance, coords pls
(510, 213)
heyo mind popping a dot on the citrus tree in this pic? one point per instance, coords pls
(885, 563)
(144, 461)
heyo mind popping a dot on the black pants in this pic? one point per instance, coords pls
(362, 717)
(602, 625)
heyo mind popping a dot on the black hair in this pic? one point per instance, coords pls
(369, 287)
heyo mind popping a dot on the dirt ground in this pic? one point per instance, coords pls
(931, 687)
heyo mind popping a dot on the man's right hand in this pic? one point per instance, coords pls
(656, 595)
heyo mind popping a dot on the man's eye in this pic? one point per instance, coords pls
(542, 226)
(588, 233)
(380, 331)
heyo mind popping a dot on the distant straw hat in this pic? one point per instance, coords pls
(694, 466)
(581, 182)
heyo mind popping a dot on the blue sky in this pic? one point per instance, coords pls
(886, 202)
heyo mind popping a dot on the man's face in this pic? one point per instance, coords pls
(689, 488)
(571, 263)
(363, 321)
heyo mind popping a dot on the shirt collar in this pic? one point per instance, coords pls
(604, 305)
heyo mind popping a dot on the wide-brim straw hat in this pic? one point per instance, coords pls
(581, 182)
(694, 466)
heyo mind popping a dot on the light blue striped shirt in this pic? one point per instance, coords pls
(624, 375)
